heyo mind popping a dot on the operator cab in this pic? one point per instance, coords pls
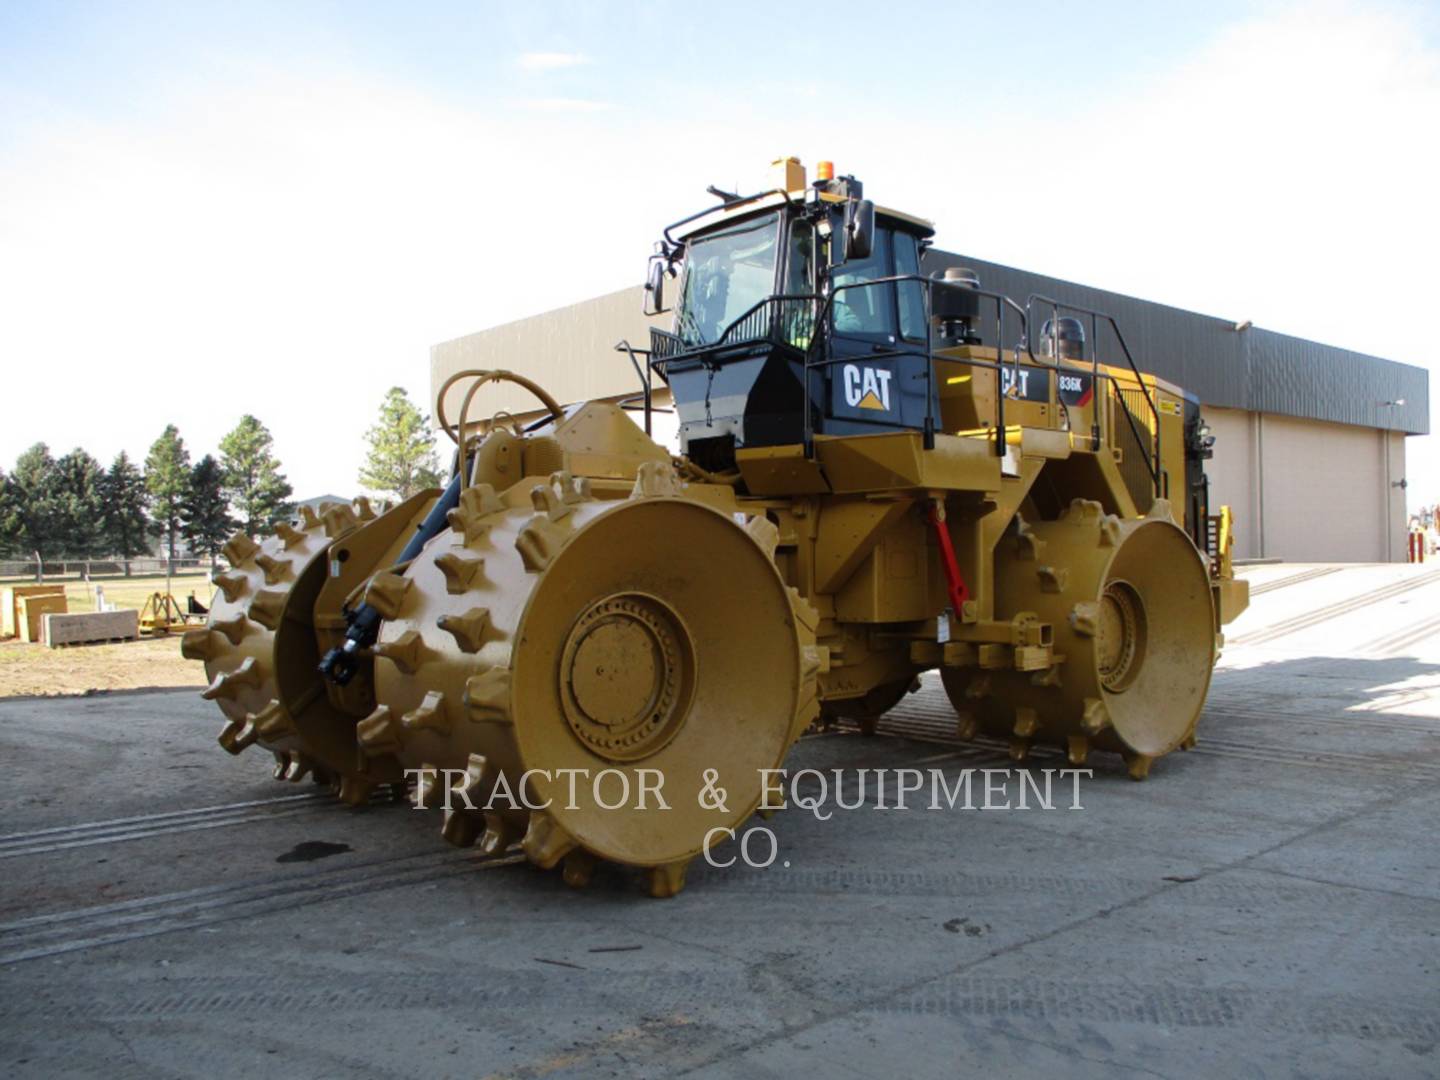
(792, 284)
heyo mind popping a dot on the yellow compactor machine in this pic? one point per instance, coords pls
(881, 473)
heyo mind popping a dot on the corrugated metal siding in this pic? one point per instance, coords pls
(1287, 375)
(1253, 369)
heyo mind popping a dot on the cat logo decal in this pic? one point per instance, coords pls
(867, 387)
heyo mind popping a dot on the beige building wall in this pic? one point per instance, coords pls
(1232, 473)
(569, 351)
(1307, 490)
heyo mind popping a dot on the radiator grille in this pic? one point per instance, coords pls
(1135, 454)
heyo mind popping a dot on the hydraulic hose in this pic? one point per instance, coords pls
(363, 624)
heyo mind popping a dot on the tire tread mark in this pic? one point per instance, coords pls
(184, 912)
(1305, 621)
(144, 819)
(1296, 579)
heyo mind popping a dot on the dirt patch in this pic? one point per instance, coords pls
(27, 670)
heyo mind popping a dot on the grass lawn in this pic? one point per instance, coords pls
(125, 592)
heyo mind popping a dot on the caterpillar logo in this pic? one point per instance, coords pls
(1016, 383)
(867, 387)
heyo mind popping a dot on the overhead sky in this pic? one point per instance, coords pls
(276, 208)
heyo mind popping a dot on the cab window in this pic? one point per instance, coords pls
(800, 262)
(798, 316)
(726, 274)
(866, 311)
(912, 296)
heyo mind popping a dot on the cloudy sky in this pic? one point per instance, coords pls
(214, 209)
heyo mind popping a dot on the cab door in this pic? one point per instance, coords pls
(877, 340)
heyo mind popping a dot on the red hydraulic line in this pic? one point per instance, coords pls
(958, 592)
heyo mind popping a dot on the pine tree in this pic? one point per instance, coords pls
(9, 518)
(256, 488)
(36, 504)
(79, 506)
(167, 479)
(126, 501)
(401, 456)
(206, 520)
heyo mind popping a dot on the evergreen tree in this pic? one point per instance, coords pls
(167, 479)
(36, 504)
(401, 457)
(206, 520)
(257, 490)
(126, 501)
(9, 518)
(79, 509)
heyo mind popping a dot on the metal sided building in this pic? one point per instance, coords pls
(1309, 438)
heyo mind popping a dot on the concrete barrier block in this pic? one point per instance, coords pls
(83, 628)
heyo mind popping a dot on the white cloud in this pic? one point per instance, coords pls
(549, 61)
(566, 105)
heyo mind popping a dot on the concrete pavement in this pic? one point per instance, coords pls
(1268, 904)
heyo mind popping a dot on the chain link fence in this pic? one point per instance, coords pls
(88, 569)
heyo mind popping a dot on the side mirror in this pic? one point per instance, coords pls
(655, 287)
(859, 229)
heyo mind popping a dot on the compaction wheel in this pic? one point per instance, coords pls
(1134, 638)
(259, 651)
(623, 643)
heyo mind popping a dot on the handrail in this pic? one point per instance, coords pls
(623, 345)
(822, 343)
(1153, 467)
(731, 205)
(746, 317)
(928, 284)
(817, 354)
